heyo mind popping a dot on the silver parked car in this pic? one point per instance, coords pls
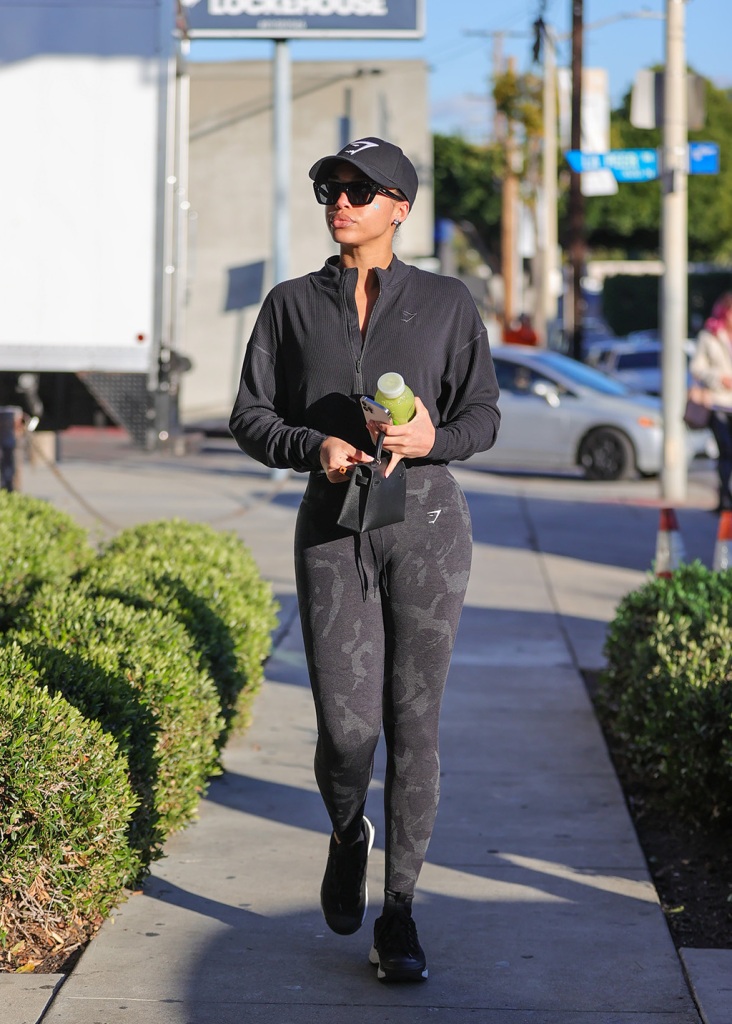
(557, 413)
(637, 364)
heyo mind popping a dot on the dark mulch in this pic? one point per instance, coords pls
(692, 872)
(691, 866)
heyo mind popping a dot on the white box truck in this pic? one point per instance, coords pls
(92, 97)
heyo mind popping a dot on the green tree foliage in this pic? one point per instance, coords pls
(468, 187)
(629, 223)
(468, 178)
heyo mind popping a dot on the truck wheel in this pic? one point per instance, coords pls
(607, 454)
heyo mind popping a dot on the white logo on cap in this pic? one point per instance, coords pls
(356, 147)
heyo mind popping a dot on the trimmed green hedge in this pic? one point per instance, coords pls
(136, 672)
(666, 695)
(65, 804)
(121, 674)
(211, 583)
(38, 544)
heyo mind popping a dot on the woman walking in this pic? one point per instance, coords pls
(379, 610)
(711, 366)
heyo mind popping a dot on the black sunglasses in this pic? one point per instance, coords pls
(359, 193)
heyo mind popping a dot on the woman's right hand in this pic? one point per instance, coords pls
(338, 456)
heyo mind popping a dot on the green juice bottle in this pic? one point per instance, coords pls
(396, 396)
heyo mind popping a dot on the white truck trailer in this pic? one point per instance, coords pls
(92, 184)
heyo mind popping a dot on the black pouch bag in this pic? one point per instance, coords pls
(372, 499)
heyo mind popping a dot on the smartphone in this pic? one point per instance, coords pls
(374, 410)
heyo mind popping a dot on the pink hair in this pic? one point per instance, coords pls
(717, 318)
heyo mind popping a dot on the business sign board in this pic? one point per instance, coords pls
(305, 19)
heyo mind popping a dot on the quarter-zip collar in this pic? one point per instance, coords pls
(342, 282)
(333, 276)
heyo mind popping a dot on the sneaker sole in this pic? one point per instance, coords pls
(401, 974)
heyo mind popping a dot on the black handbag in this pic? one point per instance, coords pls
(374, 500)
(697, 413)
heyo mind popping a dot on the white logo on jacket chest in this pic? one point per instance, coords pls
(407, 317)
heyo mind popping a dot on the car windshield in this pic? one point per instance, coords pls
(577, 373)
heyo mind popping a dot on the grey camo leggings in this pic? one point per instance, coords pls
(379, 616)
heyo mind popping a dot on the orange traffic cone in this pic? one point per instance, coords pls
(669, 545)
(722, 547)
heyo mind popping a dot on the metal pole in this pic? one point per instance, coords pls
(576, 199)
(281, 160)
(11, 419)
(547, 305)
(282, 118)
(674, 244)
(509, 210)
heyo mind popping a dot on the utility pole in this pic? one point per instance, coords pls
(509, 212)
(576, 199)
(499, 121)
(546, 307)
(504, 132)
(674, 247)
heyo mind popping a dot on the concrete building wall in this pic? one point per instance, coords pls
(231, 185)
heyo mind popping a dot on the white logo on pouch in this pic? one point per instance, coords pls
(295, 8)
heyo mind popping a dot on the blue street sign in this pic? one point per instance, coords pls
(703, 158)
(643, 164)
(626, 164)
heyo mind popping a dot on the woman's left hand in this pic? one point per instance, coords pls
(411, 440)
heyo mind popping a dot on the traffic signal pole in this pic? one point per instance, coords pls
(674, 247)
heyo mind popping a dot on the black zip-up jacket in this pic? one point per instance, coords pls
(306, 365)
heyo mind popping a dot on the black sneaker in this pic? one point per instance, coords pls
(396, 951)
(344, 893)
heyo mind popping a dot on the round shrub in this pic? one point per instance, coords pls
(211, 583)
(65, 808)
(38, 544)
(135, 672)
(666, 695)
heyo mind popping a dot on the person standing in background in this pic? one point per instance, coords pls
(711, 367)
(521, 332)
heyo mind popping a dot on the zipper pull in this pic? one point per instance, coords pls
(358, 366)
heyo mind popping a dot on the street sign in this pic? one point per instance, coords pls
(301, 19)
(626, 164)
(643, 164)
(703, 158)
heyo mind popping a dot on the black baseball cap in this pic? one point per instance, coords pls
(380, 161)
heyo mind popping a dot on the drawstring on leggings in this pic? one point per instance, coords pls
(380, 575)
(362, 575)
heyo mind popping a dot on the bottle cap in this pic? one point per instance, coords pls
(391, 384)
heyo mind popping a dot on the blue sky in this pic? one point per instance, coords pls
(461, 65)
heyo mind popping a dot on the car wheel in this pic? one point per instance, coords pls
(607, 454)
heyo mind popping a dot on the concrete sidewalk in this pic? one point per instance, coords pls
(535, 904)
